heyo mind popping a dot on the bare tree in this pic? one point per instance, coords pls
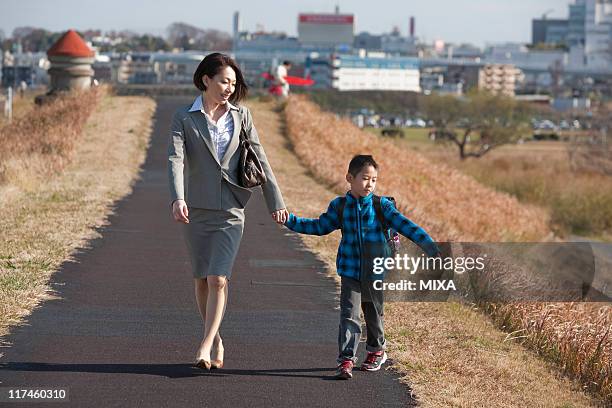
(20, 32)
(479, 123)
(177, 32)
(188, 37)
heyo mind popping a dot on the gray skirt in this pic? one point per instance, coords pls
(213, 239)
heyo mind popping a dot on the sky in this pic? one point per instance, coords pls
(475, 21)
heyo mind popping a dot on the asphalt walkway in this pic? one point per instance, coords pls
(126, 328)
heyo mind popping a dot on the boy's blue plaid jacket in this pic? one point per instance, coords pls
(361, 232)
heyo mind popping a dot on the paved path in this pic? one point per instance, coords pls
(127, 328)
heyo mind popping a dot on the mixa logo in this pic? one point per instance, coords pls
(437, 285)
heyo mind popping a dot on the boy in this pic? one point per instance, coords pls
(362, 240)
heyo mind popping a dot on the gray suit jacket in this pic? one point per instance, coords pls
(197, 175)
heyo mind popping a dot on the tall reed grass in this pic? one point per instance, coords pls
(579, 200)
(42, 141)
(576, 336)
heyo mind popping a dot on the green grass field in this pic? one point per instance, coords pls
(410, 134)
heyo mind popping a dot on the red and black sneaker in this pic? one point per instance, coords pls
(345, 370)
(374, 361)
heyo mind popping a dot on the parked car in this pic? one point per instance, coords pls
(546, 136)
(392, 132)
(372, 121)
(418, 122)
(547, 125)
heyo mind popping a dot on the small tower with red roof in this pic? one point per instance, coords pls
(71, 61)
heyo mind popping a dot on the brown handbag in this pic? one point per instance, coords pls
(250, 171)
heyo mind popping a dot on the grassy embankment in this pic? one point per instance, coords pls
(62, 168)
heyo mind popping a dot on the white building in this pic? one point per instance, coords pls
(353, 73)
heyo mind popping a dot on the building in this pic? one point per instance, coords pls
(71, 60)
(523, 57)
(320, 70)
(368, 42)
(549, 31)
(577, 24)
(465, 75)
(394, 43)
(176, 67)
(347, 72)
(13, 75)
(587, 35)
(134, 68)
(598, 33)
(236, 29)
(30, 68)
(263, 42)
(326, 31)
(499, 78)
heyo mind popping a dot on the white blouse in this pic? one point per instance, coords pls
(220, 132)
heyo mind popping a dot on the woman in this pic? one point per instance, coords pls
(205, 137)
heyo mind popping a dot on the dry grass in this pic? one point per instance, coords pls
(40, 141)
(453, 356)
(569, 182)
(448, 204)
(22, 105)
(72, 202)
(577, 336)
(448, 353)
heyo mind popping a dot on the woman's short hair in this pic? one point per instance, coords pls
(211, 65)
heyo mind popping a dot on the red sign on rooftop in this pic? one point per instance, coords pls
(326, 18)
(70, 45)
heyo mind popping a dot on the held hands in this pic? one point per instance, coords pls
(280, 216)
(180, 212)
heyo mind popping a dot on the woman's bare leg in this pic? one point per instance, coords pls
(218, 342)
(215, 307)
(201, 294)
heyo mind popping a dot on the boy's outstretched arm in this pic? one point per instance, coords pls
(409, 229)
(326, 223)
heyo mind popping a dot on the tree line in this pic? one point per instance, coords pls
(178, 35)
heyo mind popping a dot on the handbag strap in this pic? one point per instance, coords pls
(243, 133)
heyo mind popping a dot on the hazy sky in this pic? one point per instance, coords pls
(475, 21)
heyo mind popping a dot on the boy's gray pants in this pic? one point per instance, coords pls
(351, 291)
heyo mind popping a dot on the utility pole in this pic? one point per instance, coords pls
(8, 110)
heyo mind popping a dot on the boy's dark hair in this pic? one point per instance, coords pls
(211, 65)
(359, 162)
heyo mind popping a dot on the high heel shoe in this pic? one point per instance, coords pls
(203, 364)
(218, 362)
